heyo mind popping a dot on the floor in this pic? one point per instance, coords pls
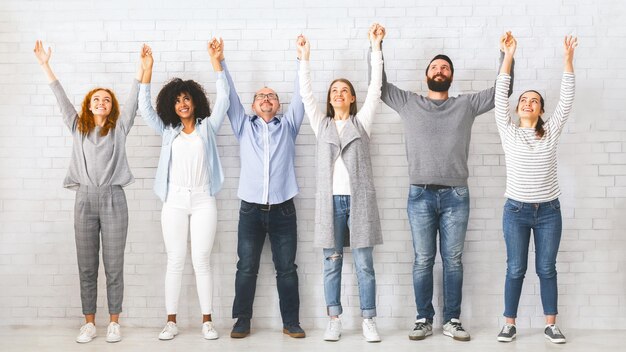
(136, 339)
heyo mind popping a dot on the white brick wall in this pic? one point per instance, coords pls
(95, 43)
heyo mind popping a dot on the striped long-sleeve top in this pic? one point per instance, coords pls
(531, 166)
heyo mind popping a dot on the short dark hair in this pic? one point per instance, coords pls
(441, 57)
(166, 100)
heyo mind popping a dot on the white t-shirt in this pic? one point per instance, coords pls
(188, 162)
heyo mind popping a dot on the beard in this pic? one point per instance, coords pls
(439, 86)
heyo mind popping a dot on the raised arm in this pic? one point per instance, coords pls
(566, 99)
(508, 45)
(67, 109)
(127, 117)
(236, 112)
(150, 116)
(216, 52)
(391, 95)
(308, 99)
(295, 112)
(368, 110)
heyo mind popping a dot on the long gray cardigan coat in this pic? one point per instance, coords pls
(353, 145)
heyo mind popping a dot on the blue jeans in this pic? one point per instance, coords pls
(333, 264)
(447, 211)
(255, 221)
(517, 221)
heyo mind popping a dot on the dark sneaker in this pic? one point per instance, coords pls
(507, 334)
(553, 334)
(422, 329)
(294, 331)
(241, 328)
(455, 330)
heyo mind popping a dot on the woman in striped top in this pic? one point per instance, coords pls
(532, 188)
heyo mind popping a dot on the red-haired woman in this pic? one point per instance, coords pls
(98, 170)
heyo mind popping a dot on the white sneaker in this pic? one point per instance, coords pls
(208, 331)
(87, 333)
(333, 330)
(113, 332)
(369, 330)
(169, 331)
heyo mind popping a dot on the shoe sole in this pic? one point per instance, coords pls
(506, 339)
(86, 341)
(239, 335)
(295, 335)
(211, 337)
(417, 338)
(373, 340)
(167, 338)
(464, 339)
(331, 339)
(553, 340)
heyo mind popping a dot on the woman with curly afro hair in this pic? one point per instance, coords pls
(188, 177)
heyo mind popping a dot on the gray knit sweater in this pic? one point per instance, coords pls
(98, 160)
(438, 132)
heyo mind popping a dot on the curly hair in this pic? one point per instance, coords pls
(86, 123)
(166, 100)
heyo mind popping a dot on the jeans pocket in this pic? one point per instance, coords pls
(461, 192)
(555, 204)
(512, 206)
(246, 208)
(415, 192)
(288, 209)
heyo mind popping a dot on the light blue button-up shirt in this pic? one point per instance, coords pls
(267, 150)
(207, 130)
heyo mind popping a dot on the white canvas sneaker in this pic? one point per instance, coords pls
(113, 332)
(87, 333)
(369, 330)
(169, 331)
(208, 331)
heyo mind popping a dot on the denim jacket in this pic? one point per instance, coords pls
(207, 130)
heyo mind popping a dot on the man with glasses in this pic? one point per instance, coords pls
(267, 185)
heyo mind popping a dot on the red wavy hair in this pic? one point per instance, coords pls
(86, 122)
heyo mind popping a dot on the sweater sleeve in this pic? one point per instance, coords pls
(147, 111)
(308, 99)
(368, 110)
(484, 100)
(127, 117)
(564, 107)
(70, 116)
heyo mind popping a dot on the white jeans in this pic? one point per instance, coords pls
(191, 211)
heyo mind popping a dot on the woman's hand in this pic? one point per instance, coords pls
(304, 48)
(375, 35)
(569, 45)
(215, 47)
(40, 53)
(508, 44)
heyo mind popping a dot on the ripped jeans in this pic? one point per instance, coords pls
(333, 263)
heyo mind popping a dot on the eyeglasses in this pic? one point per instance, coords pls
(261, 96)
